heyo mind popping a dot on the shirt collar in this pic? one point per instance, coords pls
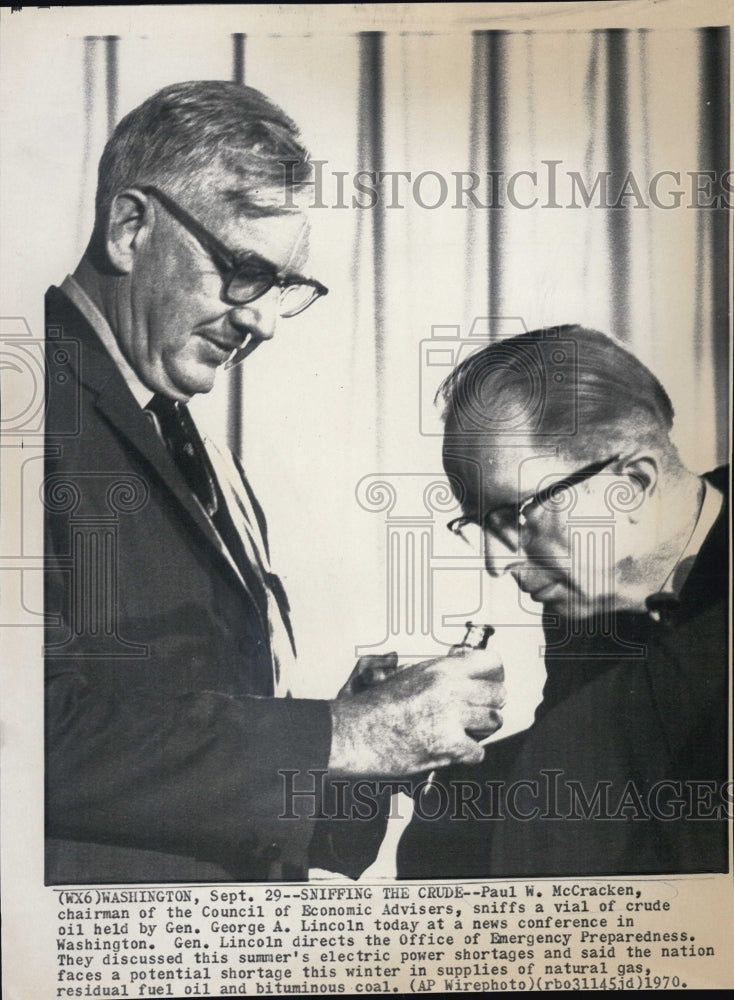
(74, 291)
(710, 509)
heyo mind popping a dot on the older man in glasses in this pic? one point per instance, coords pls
(557, 443)
(173, 749)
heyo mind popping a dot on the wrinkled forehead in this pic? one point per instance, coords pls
(497, 469)
(475, 464)
(247, 215)
(282, 237)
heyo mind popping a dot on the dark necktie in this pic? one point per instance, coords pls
(187, 449)
(188, 452)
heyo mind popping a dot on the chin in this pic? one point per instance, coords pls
(569, 607)
(575, 611)
(195, 382)
(559, 608)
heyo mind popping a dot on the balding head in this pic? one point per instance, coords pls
(568, 387)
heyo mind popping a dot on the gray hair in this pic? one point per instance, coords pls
(569, 385)
(185, 136)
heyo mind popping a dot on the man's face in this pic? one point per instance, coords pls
(172, 323)
(572, 552)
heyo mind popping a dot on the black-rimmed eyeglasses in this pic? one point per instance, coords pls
(245, 276)
(505, 522)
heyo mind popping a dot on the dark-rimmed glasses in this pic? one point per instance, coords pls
(505, 522)
(245, 276)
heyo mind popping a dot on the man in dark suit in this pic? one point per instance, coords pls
(558, 442)
(173, 748)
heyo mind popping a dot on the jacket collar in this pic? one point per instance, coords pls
(79, 298)
(97, 371)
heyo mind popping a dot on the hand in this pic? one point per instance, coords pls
(417, 719)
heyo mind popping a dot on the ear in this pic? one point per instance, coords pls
(130, 219)
(643, 472)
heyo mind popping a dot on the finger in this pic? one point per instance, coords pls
(469, 752)
(385, 661)
(375, 675)
(373, 669)
(482, 741)
(493, 671)
(476, 718)
(484, 733)
(459, 651)
(480, 663)
(378, 659)
(368, 678)
(459, 669)
(492, 695)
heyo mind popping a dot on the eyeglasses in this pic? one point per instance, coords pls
(506, 522)
(245, 276)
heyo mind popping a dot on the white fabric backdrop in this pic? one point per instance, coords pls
(343, 393)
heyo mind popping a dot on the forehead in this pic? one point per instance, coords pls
(500, 471)
(280, 236)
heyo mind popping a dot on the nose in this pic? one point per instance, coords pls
(260, 317)
(498, 553)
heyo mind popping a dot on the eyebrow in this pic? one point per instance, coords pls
(572, 479)
(251, 209)
(471, 515)
(241, 257)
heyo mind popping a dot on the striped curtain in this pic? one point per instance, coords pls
(530, 178)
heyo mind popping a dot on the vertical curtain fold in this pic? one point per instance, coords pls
(239, 41)
(618, 160)
(100, 106)
(236, 382)
(613, 269)
(555, 110)
(488, 154)
(112, 75)
(629, 112)
(712, 319)
(371, 223)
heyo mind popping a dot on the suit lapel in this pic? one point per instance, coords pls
(121, 410)
(119, 407)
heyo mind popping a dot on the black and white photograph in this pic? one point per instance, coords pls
(365, 455)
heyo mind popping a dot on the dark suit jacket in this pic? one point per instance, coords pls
(624, 769)
(164, 743)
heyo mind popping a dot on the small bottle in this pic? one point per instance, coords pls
(477, 637)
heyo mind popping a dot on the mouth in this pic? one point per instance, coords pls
(220, 341)
(225, 350)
